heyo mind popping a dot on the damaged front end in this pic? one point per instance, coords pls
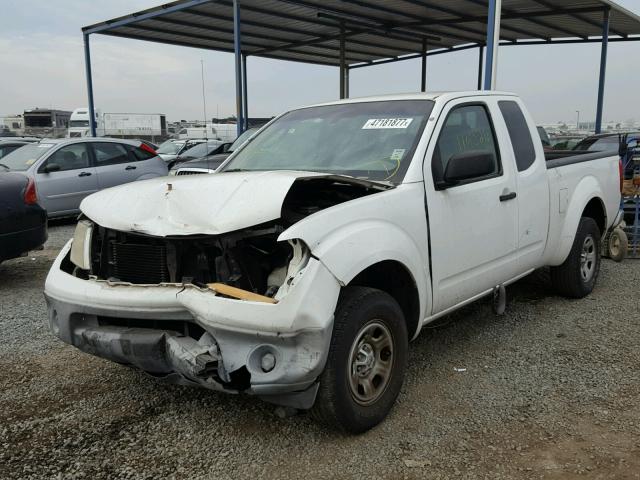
(236, 311)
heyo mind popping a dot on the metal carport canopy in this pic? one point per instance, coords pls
(358, 33)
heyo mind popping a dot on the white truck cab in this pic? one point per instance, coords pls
(302, 269)
(79, 123)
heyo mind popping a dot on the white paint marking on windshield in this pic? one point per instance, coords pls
(380, 123)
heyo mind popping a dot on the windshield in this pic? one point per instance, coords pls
(22, 158)
(79, 123)
(170, 148)
(241, 139)
(373, 140)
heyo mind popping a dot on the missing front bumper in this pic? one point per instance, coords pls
(296, 331)
(182, 352)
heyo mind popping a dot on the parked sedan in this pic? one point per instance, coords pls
(173, 150)
(210, 163)
(67, 170)
(606, 142)
(23, 223)
(202, 149)
(566, 142)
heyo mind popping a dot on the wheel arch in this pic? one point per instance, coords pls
(363, 247)
(595, 209)
(394, 278)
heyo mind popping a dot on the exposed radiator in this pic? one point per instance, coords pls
(139, 263)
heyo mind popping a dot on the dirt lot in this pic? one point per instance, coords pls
(549, 390)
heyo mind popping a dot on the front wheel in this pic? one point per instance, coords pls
(366, 363)
(577, 276)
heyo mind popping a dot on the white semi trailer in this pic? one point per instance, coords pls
(121, 125)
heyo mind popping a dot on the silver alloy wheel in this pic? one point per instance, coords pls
(588, 259)
(370, 362)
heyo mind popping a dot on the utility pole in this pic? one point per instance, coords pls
(204, 102)
(578, 122)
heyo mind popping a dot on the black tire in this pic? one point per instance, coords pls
(617, 245)
(568, 279)
(361, 310)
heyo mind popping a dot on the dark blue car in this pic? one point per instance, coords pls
(23, 222)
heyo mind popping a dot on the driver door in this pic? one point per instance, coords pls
(473, 225)
(61, 191)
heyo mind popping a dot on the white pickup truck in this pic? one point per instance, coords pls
(301, 270)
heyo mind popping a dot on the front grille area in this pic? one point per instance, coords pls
(193, 259)
(189, 172)
(186, 328)
(138, 263)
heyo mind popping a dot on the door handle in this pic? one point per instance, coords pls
(508, 196)
(130, 167)
(84, 174)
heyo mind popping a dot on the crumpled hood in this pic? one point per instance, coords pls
(193, 204)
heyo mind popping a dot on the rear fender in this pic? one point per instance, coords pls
(587, 189)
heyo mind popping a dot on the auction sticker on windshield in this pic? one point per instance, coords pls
(397, 154)
(379, 123)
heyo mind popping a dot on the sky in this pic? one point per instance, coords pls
(42, 65)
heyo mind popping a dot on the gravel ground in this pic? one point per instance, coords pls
(549, 390)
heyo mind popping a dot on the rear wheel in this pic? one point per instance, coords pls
(366, 363)
(577, 276)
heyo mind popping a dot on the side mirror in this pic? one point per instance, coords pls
(226, 147)
(51, 167)
(466, 166)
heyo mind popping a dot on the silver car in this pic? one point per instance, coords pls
(67, 170)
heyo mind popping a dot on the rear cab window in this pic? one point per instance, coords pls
(519, 133)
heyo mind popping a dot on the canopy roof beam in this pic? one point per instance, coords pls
(577, 16)
(450, 11)
(270, 37)
(247, 43)
(393, 11)
(298, 31)
(299, 18)
(535, 21)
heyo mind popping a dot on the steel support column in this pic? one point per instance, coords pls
(493, 41)
(346, 81)
(480, 61)
(87, 66)
(245, 97)
(343, 63)
(423, 77)
(237, 47)
(603, 69)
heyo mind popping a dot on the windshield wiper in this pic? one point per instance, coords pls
(235, 170)
(3, 165)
